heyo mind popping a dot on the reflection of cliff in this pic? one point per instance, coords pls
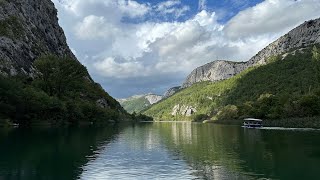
(50, 153)
(182, 132)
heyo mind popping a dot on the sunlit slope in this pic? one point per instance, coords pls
(135, 105)
(278, 89)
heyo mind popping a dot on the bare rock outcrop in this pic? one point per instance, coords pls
(171, 91)
(153, 98)
(214, 71)
(183, 110)
(28, 29)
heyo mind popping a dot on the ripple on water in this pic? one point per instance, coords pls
(123, 159)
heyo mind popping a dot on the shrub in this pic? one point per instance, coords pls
(228, 112)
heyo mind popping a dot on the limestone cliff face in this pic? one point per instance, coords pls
(152, 98)
(28, 29)
(171, 91)
(214, 71)
(304, 35)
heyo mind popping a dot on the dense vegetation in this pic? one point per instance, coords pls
(287, 87)
(135, 104)
(63, 93)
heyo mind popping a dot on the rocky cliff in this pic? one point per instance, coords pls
(152, 98)
(214, 71)
(304, 35)
(171, 91)
(28, 29)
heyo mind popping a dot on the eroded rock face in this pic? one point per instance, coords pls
(152, 98)
(304, 35)
(214, 71)
(183, 110)
(171, 91)
(29, 28)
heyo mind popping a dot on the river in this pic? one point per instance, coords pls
(159, 151)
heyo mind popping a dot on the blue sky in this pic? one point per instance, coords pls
(141, 46)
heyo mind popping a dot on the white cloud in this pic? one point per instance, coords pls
(93, 27)
(202, 4)
(171, 7)
(117, 8)
(167, 4)
(133, 8)
(109, 67)
(120, 50)
(272, 16)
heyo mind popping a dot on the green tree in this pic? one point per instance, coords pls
(316, 61)
(59, 74)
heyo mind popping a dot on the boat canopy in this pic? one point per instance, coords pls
(253, 119)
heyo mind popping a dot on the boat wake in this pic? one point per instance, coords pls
(289, 129)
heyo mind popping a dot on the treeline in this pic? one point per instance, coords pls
(62, 93)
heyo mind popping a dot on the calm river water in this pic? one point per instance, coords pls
(159, 151)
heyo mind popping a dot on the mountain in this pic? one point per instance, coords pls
(171, 91)
(304, 35)
(138, 103)
(41, 79)
(214, 71)
(281, 81)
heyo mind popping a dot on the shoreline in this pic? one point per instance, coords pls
(304, 122)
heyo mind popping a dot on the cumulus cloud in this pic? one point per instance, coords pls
(93, 27)
(272, 16)
(109, 67)
(132, 8)
(117, 49)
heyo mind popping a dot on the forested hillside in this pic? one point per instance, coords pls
(61, 94)
(287, 86)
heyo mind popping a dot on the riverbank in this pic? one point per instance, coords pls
(306, 122)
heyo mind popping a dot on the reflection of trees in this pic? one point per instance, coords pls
(49, 153)
(231, 152)
(207, 149)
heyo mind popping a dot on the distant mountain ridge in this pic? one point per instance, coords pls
(304, 35)
(138, 103)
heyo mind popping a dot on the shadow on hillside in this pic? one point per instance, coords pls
(294, 75)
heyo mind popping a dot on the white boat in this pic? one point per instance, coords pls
(252, 123)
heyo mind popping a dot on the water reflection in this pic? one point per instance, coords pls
(231, 152)
(136, 153)
(49, 153)
(159, 151)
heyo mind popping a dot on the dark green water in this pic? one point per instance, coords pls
(159, 151)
